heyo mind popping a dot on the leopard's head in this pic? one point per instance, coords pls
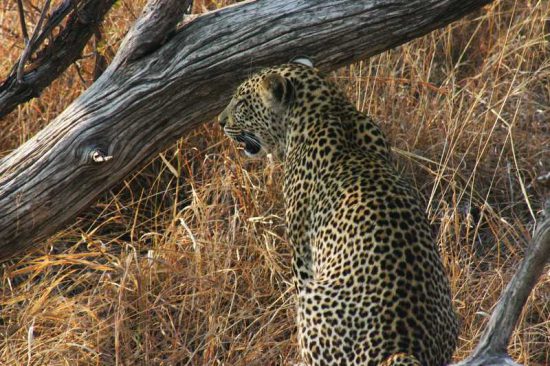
(257, 114)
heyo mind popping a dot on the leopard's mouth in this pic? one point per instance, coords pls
(252, 146)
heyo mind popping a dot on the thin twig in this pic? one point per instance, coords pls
(29, 45)
(22, 20)
(100, 63)
(79, 73)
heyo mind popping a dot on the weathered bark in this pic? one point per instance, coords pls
(142, 105)
(153, 28)
(492, 347)
(64, 50)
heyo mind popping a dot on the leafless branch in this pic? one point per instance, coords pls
(82, 19)
(56, 17)
(29, 45)
(21, 11)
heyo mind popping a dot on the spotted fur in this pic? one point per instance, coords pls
(401, 359)
(371, 286)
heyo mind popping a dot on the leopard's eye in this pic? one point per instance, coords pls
(239, 106)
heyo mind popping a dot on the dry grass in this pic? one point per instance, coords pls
(186, 262)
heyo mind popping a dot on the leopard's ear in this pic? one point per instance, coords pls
(303, 60)
(275, 90)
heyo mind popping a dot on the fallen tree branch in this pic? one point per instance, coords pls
(142, 105)
(23, 83)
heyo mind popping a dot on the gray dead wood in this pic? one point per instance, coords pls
(141, 105)
(153, 28)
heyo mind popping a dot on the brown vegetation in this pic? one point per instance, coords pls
(186, 261)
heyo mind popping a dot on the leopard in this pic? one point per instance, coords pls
(370, 282)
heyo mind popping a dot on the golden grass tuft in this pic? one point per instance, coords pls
(186, 261)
